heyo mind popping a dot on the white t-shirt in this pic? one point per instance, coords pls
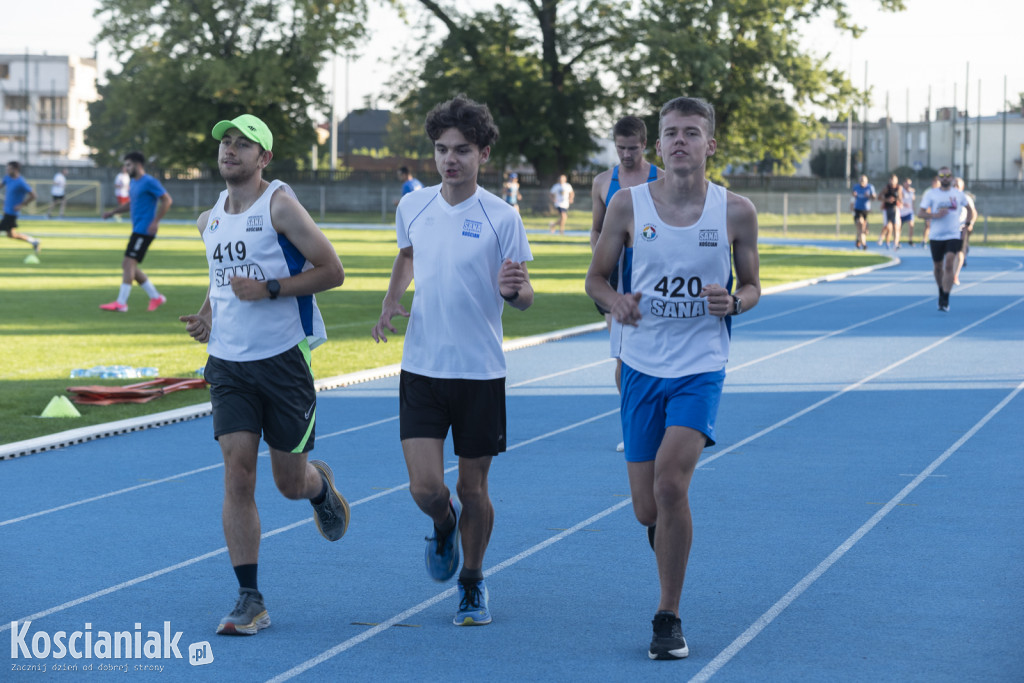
(561, 192)
(947, 227)
(455, 323)
(122, 183)
(60, 182)
(908, 202)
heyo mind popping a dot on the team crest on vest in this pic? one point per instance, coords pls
(254, 224)
(214, 225)
(472, 229)
(708, 238)
(649, 233)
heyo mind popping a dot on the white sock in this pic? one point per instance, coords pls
(122, 295)
(150, 289)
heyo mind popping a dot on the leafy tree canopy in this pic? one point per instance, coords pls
(187, 65)
(551, 69)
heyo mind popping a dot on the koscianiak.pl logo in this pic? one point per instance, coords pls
(78, 650)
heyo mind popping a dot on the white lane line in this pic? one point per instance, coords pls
(775, 610)
(294, 525)
(854, 326)
(412, 611)
(855, 385)
(754, 320)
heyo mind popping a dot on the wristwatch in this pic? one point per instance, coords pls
(737, 305)
(510, 299)
(274, 287)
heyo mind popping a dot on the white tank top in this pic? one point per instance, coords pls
(247, 245)
(670, 265)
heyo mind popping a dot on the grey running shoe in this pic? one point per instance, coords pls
(248, 616)
(668, 641)
(333, 513)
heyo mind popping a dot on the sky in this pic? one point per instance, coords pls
(932, 47)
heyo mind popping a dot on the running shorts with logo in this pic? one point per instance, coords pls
(274, 396)
(650, 405)
(474, 409)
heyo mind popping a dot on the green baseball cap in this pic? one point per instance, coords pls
(251, 127)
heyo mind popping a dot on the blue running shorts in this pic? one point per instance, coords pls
(652, 404)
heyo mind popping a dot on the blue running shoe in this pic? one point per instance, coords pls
(443, 553)
(473, 609)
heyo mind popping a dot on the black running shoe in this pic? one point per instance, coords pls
(668, 641)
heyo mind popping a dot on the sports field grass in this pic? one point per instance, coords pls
(51, 323)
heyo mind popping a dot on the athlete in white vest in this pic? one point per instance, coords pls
(468, 251)
(677, 233)
(630, 137)
(267, 258)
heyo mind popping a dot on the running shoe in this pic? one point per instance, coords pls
(668, 641)
(115, 306)
(473, 609)
(621, 447)
(442, 554)
(157, 303)
(248, 616)
(333, 513)
(35, 246)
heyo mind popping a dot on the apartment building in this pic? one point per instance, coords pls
(44, 108)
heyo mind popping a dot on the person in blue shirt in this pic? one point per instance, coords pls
(409, 183)
(863, 193)
(148, 202)
(18, 193)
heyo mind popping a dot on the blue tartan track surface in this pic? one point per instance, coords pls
(859, 520)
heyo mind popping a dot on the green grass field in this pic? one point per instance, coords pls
(51, 324)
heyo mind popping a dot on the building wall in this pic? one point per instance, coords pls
(933, 144)
(44, 110)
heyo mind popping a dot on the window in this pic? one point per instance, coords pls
(16, 102)
(910, 141)
(53, 108)
(922, 140)
(5, 71)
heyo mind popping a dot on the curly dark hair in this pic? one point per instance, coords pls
(472, 119)
(135, 157)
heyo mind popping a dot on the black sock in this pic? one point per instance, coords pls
(448, 526)
(471, 575)
(246, 574)
(320, 497)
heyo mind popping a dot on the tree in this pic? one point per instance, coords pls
(743, 56)
(538, 74)
(187, 65)
(548, 68)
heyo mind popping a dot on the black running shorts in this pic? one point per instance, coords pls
(474, 409)
(138, 245)
(274, 397)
